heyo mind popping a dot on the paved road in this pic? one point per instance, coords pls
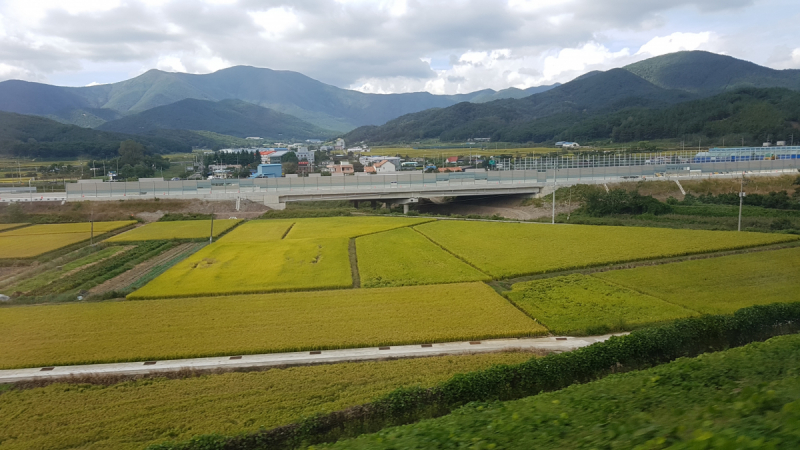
(554, 344)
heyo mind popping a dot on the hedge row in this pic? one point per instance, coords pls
(641, 349)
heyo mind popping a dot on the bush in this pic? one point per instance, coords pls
(620, 201)
(174, 217)
(640, 349)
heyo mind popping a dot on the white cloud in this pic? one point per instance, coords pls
(675, 42)
(170, 64)
(578, 60)
(276, 22)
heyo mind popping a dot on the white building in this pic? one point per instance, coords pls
(303, 153)
(370, 160)
(384, 167)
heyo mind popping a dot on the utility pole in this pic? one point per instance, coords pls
(91, 221)
(741, 201)
(555, 174)
(211, 237)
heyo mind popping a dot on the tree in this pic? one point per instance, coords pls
(131, 152)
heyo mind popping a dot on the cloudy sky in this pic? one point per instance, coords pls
(440, 46)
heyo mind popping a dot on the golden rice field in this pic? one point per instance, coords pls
(447, 152)
(505, 250)
(63, 228)
(240, 268)
(258, 231)
(133, 415)
(585, 305)
(347, 227)
(12, 247)
(10, 226)
(183, 229)
(404, 257)
(718, 285)
(85, 333)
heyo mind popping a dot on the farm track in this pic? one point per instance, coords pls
(125, 279)
(94, 373)
(505, 285)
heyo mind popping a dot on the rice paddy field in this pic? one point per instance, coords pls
(184, 229)
(64, 416)
(258, 231)
(13, 247)
(87, 333)
(347, 227)
(506, 250)
(405, 257)
(64, 228)
(219, 269)
(585, 305)
(11, 226)
(718, 285)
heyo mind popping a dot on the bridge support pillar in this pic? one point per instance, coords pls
(355, 204)
(373, 204)
(274, 202)
(405, 208)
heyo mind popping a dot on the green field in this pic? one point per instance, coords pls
(59, 271)
(404, 257)
(194, 327)
(240, 268)
(505, 250)
(347, 227)
(746, 397)
(132, 415)
(258, 231)
(183, 229)
(718, 285)
(584, 305)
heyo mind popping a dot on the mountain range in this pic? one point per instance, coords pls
(596, 98)
(286, 92)
(690, 92)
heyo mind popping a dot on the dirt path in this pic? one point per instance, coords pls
(123, 280)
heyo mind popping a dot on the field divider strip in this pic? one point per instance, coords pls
(354, 263)
(288, 230)
(453, 254)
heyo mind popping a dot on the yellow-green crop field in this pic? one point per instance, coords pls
(258, 231)
(136, 414)
(12, 247)
(404, 257)
(505, 250)
(719, 285)
(585, 305)
(64, 228)
(183, 229)
(347, 227)
(239, 268)
(11, 226)
(86, 333)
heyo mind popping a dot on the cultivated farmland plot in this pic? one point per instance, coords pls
(11, 226)
(347, 227)
(506, 250)
(239, 268)
(584, 305)
(63, 228)
(719, 285)
(404, 257)
(184, 229)
(230, 403)
(210, 326)
(258, 231)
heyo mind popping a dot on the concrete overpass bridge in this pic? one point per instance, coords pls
(406, 188)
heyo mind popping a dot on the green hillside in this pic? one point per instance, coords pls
(536, 118)
(39, 137)
(708, 73)
(228, 117)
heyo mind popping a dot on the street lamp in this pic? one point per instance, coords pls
(741, 200)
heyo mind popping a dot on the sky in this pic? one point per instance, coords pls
(383, 46)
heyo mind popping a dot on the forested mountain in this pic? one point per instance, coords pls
(230, 117)
(516, 120)
(38, 137)
(708, 73)
(748, 113)
(288, 92)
